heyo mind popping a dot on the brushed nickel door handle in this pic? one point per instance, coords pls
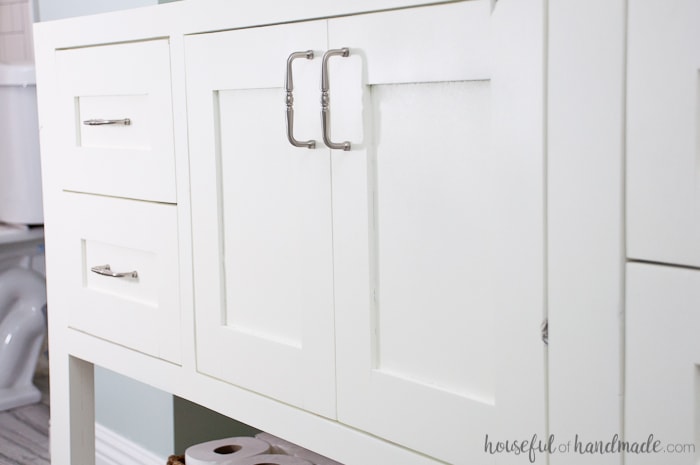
(289, 100)
(325, 100)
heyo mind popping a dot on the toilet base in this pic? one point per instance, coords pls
(19, 396)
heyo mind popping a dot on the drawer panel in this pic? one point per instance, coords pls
(140, 310)
(115, 120)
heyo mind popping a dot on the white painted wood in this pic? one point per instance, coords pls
(112, 448)
(585, 222)
(663, 354)
(663, 139)
(141, 313)
(261, 216)
(420, 222)
(515, 83)
(346, 445)
(81, 413)
(519, 97)
(185, 17)
(115, 82)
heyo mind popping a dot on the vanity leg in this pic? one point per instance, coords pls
(82, 411)
(73, 413)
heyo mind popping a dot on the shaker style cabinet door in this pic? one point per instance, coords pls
(438, 225)
(261, 215)
(663, 131)
(662, 357)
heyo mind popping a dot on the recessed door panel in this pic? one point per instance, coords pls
(424, 242)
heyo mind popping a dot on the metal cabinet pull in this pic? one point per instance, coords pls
(325, 100)
(106, 270)
(289, 87)
(103, 122)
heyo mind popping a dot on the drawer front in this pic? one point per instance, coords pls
(662, 354)
(663, 132)
(141, 309)
(115, 120)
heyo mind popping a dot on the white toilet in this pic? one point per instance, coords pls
(22, 283)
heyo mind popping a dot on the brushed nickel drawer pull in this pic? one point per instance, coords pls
(106, 270)
(289, 100)
(103, 122)
(326, 100)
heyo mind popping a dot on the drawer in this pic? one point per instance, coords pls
(140, 311)
(115, 122)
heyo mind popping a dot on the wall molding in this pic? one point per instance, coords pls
(114, 449)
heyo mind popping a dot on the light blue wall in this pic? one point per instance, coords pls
(135, 411)
(57, 9)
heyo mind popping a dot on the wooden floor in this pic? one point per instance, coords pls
(24, 432)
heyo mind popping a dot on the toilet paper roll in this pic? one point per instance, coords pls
(223, 451)
(270, 459)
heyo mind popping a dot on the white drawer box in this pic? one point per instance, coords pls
(141, 311)
(115, 120)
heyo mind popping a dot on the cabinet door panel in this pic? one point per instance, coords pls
(438, 225)
(422, 251)
(663, 137)
(662, 361)
(261, 216)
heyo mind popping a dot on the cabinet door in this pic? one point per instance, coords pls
(438, 225)
(261, 215)
(663, 139)
(662, 360)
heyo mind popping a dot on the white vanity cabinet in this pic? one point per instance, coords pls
(367, 283)
(380, 304)
(490, 171)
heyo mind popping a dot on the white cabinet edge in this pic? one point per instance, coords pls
(190, 17)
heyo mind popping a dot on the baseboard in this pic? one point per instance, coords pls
(114, 449)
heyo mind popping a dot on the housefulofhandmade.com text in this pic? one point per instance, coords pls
(534, 447)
